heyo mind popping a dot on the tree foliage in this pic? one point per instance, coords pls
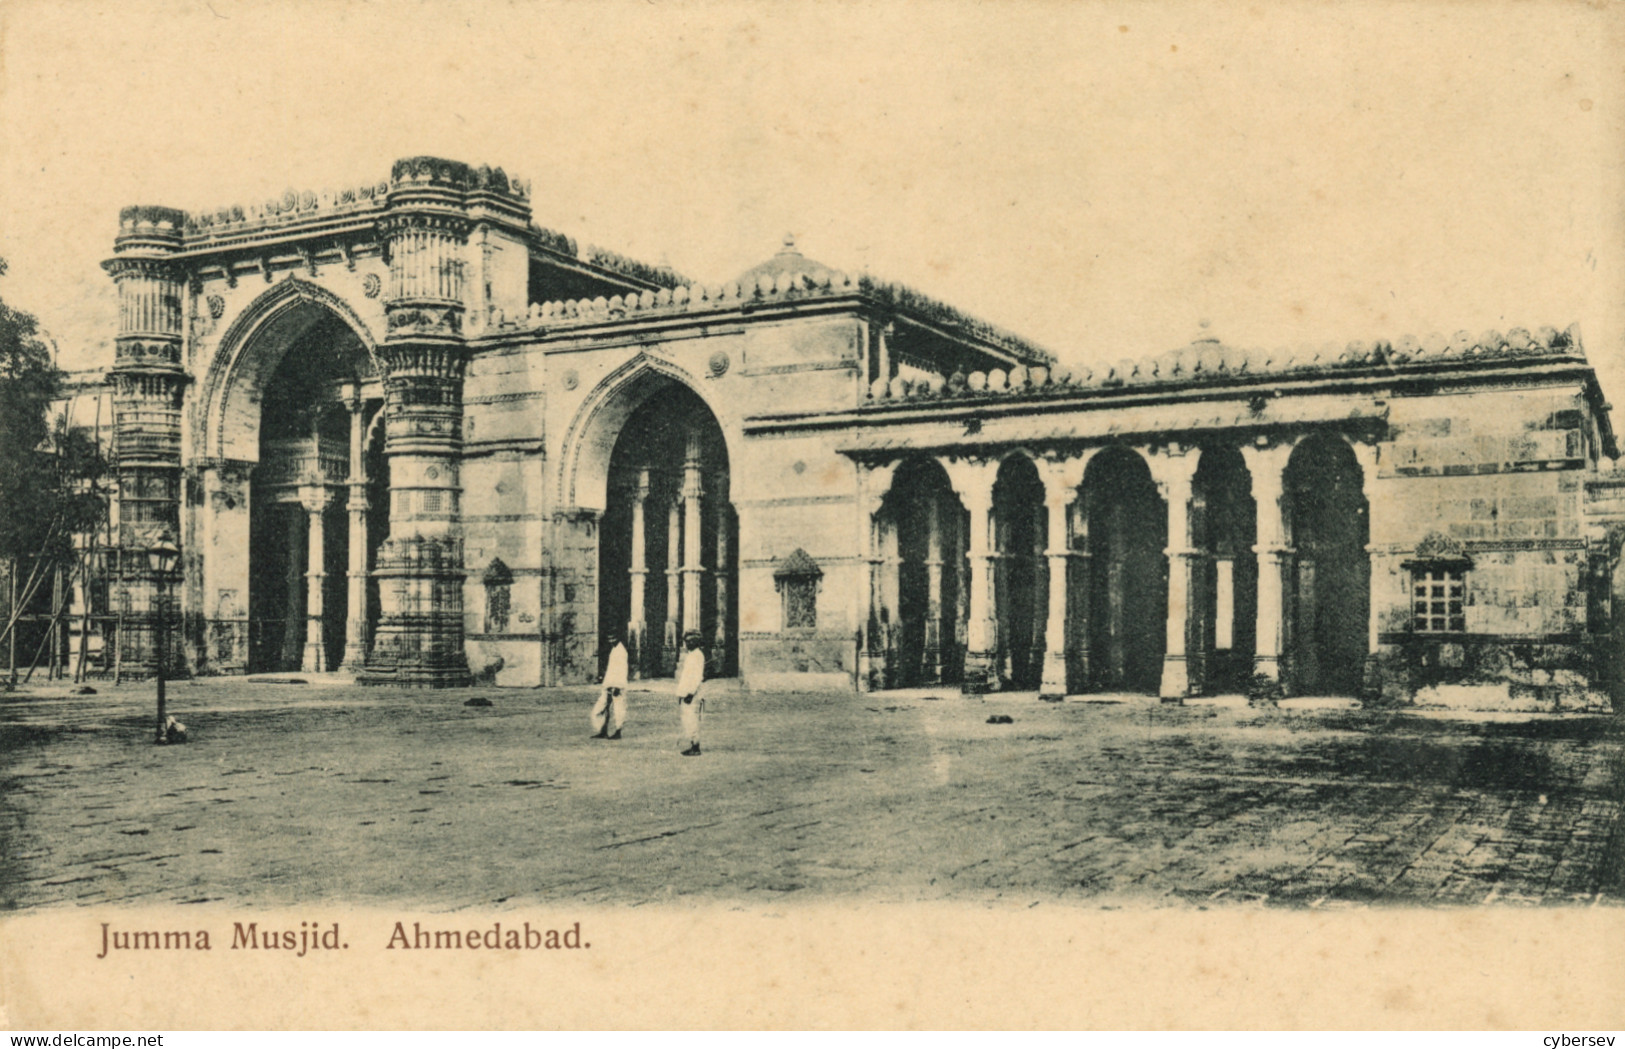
(49, 473)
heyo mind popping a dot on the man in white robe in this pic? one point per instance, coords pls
(609, 713)
(689, 679)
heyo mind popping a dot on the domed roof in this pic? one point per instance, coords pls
(787, 261)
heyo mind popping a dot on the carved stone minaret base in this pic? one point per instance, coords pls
(148, 384)
(419, 568)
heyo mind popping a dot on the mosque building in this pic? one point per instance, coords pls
(402, 432)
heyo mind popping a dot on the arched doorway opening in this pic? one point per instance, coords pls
(1127, 523)
(1020, 576)
(1329, 588)
(668, 553)
(299, 588)
(1225, 529)
(924, 536)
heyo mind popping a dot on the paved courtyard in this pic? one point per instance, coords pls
(292, 793)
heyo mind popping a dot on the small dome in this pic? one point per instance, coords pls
(788, 262)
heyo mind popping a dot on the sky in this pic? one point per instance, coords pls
(1109, 179)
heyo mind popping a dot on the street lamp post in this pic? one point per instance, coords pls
(162, 559)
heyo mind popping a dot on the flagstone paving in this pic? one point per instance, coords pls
(296, 793)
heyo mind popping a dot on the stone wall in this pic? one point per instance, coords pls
(1496, 477)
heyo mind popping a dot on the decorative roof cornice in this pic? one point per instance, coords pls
(771, 290)
(1210, 363)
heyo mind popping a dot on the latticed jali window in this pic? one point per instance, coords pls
(800, 604)
(1439, 599)
(797, 578)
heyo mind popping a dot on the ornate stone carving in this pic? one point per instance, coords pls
(718, 364)
(370, 284)
(217, 306)
(572, 379)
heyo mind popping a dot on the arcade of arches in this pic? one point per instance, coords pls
(1165, 569)
(404, 430)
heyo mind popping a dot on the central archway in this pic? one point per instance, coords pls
(282, 440)
(668, 551)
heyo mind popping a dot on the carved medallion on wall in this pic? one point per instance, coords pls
(572, 379)
(217, 307)
(371, 285)
(719, 364)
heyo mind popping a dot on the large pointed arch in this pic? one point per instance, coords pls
(589, 442)
(250, 350)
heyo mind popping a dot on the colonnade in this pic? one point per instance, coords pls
(311, 495)
(689, 581)
(1061, 571)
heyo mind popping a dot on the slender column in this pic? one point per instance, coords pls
(294, 616)
(315, 499)
(872, 483)
(1039, 642)
(1268, 469)
(637, 618)
(693, 516)
(720, 575)
(1177, 469)
(1061, 480)
(1388, 590)
(975, 487)
(933, 593)
(1081, 579)
(355, 627)
(892, 626)
(674, 556)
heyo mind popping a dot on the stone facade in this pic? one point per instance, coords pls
(403, 432)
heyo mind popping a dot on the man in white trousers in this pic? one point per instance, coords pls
(609, 713)
(689, 678)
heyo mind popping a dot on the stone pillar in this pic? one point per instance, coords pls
(1039, 555)
(637, 618)
(420, 565)
(890, 566)
(932, 658)
(671, 654)
(1267, 465)
(293, 614)
(693, 518)
(355, 627)
(720, 575)
(1390, 584)
(315, 498)
(974, 483)
(1174, 468)
(148, 388)
(872, 484)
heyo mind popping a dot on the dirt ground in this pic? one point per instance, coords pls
(289, 793)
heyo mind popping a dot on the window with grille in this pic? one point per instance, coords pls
(1439, 599)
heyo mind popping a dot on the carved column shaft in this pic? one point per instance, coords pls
(720, 575)
(981, 667)
(693, 518)
(638, 573)
(355, 628)
(933, 592)
(315, 499)
(1177, 474)
(1268, 469)
(674, 556)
